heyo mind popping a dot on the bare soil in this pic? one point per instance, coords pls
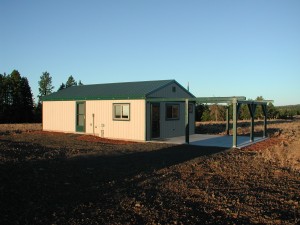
(57, 178)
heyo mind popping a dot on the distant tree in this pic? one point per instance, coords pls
(259, 112)
(45, 85)
(62, 86)
(199, 109)
(5, 98)
(271, 111)
(244, 112)
(80, 83)
(71, 82)
(26, 105)
(16, 102)
(15, 90)
(206, 115)
(2, 96)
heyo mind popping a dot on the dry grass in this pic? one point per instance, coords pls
(287, 153)
(18, 128)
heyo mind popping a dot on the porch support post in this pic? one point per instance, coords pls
(187, 127)
(264, 108)
(234, 123)
(227, 120)
(252, 108)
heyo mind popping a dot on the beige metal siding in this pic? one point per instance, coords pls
(59, 116)
(167, 92)
(105, 126)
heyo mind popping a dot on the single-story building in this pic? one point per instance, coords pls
(120, 110)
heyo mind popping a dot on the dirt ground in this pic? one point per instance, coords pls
(57, 178)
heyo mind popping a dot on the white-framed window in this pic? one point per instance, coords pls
(121, 111)
(172, 111)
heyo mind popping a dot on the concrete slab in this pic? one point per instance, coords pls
(212, 140)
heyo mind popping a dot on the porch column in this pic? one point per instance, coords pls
(252, 108)
(264, 108)
(187, 127)
(227, 120)
(234, 123)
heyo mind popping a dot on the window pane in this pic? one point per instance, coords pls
(125, 111)
(118, 110)
(175, 112)
(80, 108)
(172, 111)
(80, 120)
(169, 112)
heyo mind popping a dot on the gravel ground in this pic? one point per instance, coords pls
(56, 178)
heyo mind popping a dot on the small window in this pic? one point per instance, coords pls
(121, 111)
(174, 89)
(172, 112)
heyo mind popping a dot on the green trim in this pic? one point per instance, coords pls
(93, 98)
(80, 128)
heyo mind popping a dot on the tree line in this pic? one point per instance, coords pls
(17, 103)
(217, 112)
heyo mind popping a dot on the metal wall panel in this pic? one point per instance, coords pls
(104, 125)
(59, 116)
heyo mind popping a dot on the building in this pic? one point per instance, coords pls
(130, 111)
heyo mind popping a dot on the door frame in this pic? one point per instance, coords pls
(151, 120)
(80, 128)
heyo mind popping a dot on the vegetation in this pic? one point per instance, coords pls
(70, 82)
(215, 112)
(16, 99)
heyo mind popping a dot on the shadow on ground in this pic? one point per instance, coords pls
(85, 189)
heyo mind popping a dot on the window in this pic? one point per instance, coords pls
(172, 111)
(121, 111)
(174, 89)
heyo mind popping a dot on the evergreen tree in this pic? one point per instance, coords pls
(62, 86)
(259, 112)
(16, 102)
(16, 96)
(26, 101)
(71, 82)
(45, 85)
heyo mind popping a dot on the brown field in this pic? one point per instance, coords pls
(56, 178)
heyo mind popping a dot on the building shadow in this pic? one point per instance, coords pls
(46, 191)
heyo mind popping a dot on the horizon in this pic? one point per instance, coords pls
(248, 48)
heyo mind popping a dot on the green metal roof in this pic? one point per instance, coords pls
(127, 90)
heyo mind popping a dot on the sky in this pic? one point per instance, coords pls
(221, 48)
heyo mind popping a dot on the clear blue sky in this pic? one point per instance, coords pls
(222, 48)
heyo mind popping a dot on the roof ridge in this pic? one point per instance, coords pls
(126, 82)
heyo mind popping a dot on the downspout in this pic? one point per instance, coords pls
(93, 115)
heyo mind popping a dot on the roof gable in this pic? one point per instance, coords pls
(126, 90)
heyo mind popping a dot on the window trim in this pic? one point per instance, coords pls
(172, 104)
(122, 118)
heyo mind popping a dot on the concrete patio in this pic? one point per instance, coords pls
(212, 140)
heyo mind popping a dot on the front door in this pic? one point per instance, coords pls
(80, 117)
(155, 120)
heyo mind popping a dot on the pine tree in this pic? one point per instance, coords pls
(71, 82)
(62, 86)
(45, 85)
(26, 101)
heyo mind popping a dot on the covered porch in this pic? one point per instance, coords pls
(233, 141)
(212, 140)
